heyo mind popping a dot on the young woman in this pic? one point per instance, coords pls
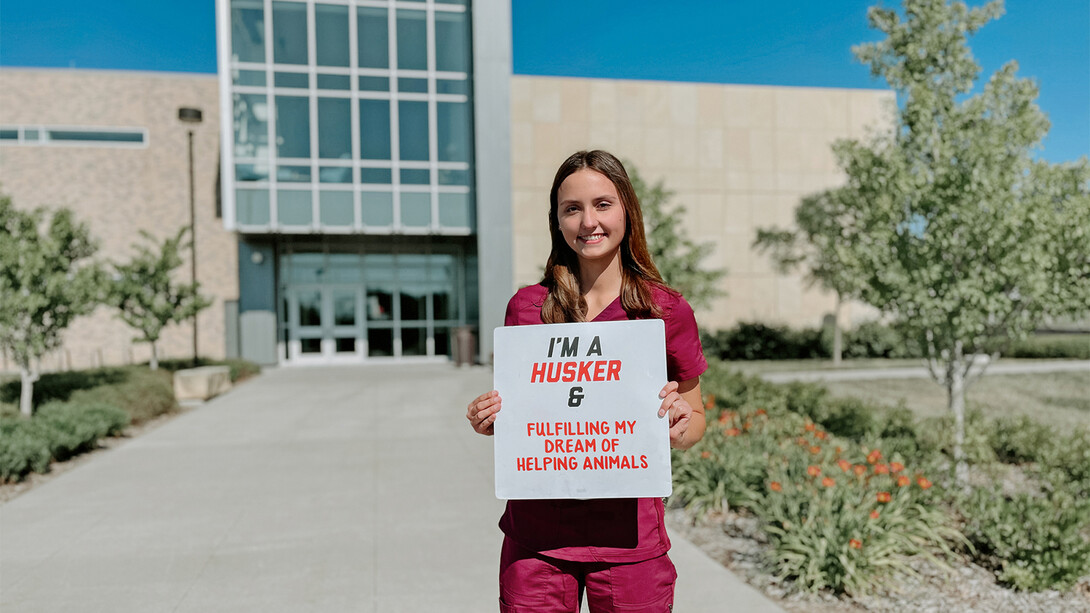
(599, 270)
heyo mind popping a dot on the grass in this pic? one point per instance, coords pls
(1061, 399)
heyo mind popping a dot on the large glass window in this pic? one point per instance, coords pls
(252, 207)
(451, 42)
(293, 207)
(412, 40)
(375, 129)
(412, 122)
(377, 209)
(335, 128)
(453, 131)
(336, 208)
(251, 126)
(331, 34)
(292, 127)
(248, 30)
(373, 37)
(289, 32)
(415, 209)
(455, 211)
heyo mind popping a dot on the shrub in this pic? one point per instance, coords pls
(58, 431)
(1016, 440)
(144, 394)
(873, 339)
(61, 385)
(849, 522)
(757, 341)
(23, 449)
(1031, 543)
(1055, 346)
(72, 428)
(240, 369)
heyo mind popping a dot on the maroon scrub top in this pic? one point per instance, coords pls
(611, 529)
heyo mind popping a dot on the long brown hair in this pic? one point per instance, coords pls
(564, 302)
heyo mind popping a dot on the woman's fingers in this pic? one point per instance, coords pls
(481, 413)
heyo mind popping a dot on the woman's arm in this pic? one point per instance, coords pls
(686, 409)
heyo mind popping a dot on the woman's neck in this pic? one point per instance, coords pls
(600, 283)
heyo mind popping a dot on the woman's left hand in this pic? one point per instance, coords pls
(680, 412)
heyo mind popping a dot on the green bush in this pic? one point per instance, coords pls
(57, 431)
(72, 428)
(240, 369)
(873, 339)
(1032, 543)
(23, 449)
(61, 385)
(1016, 440)
(1054, 346)
(144, 394)
(757, 341)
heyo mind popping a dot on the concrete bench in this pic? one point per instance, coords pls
(201, 383)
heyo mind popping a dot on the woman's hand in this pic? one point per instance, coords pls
(679, 411)
(686, 422)
(482, 412)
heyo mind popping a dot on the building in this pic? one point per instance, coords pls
(370, 177)
(364, 176)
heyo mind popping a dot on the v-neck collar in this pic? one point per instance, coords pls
(608, 313)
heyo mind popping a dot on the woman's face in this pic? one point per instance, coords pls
(591, 215)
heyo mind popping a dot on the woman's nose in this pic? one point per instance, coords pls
(590, 219)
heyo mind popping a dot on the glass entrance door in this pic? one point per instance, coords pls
(324, 323)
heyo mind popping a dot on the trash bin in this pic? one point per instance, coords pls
(465, 346)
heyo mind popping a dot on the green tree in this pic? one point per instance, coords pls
(678, 258)
(145, 295)
(46, 281)
(956, 232)
(819, 248)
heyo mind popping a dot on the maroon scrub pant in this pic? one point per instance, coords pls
(531, 582)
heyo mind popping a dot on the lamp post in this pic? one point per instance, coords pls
(192, 117)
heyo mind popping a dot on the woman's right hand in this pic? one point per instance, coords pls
(482, 412)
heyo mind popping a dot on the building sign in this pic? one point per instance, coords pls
(580, 411)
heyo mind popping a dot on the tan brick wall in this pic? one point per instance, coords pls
(119, 191)
(738, 157)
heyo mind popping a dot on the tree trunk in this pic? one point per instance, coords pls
(838, 337)
(27, 377)
(955, 387)
(154, 357)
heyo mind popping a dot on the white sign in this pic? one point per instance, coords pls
(580, 411)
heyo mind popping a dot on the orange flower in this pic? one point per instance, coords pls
(710, 402)
(923, 483)
(884, 497)
(874, 456)
(820, 435)
(723, 417)
(733, 432)
(810, 426)
(859, 469)
(896, 467)
(881, 469)
(762, 412)
(705, 454)
(828, 482)
(775, 486)
(747, 425)
(802, 441)
(903, 481)
(815, 449)
(813, 471)
(874, 514)
(844, 464)
(856, 544)
(838, 450)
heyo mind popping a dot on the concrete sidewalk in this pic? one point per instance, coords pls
(307, 489)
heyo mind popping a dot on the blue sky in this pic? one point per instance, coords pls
(797, 42)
